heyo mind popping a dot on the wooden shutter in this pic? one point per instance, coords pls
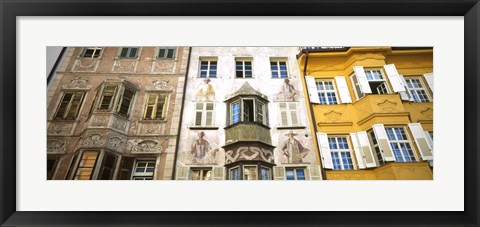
(218, 173)
(421, 141)
(362, 79)
(358, 151)
(324, 150)
(126, 168)
(343, 89)
(394, 78)
(383, 142)
(182, 173)
(278, 173)
(283, 113)
(429, 79)
(315, 172)
(312, 89)
(366, 149)
(292, 108)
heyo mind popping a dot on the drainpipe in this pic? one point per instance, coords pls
(312, 115)
(181, 115)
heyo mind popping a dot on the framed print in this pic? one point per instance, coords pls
(138, 57)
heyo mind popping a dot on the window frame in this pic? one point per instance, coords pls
(102, 96)
(327, 91)
(85, 49)
(339, 152)
(278, 71)
(155, 106)
(270, 173)
(144, 174)
(424, 88)
(407, 141)
(93, 167)
(69, 105)
(165, 56)
(121, 98)
(357, 88)
(230, 170)
(243, 60)
(208, 71)
(295, 175)
(244, 176)
(129, 51)
(201, 169)
(204, 112)
(289, 114)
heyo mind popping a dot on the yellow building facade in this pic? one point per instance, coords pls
(371, 109)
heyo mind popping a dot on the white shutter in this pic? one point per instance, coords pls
(312, 89)
(315, 172)
(324, 150)
(358, 151)
(362, 79)
(429, 139)
(218, 173)
(405, 95)
(383, 142)
(395, 80)
(421, 141)
(278, 173)
(429, 79)
(366, 149)
(343, 89)
(182, 173)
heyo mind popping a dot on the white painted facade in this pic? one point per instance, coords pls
(225, 84)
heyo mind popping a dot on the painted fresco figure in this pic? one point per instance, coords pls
(205, 92)
(287, 91)
(200, 148)
(293, 149)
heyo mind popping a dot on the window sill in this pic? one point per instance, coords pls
(203, 127)
(152, 121)
(290, 127)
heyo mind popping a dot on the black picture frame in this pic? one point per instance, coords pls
(9, 10)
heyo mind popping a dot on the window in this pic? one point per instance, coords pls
(417, 90)
(295, 173)
(156, 106)
(143, 170)
(201, 174)
(128, 52)
(279, 69)
(234, 173)
(167, 52)
(250, 173)
(91, 52)
(125, 102)
(266, 173)
(340, 151)
(208, 69)
(248, 110)
(51, 166)
(86, 165)
(288, 114)
(108, 167)
(374, 80)
(243, 69)
(70, 106)
(235, 106)
(378, 154)
(204, 114)
(400, 144)
(326, 92)
(108, 96)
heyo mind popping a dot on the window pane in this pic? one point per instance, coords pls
(300, 174)
(290, 175)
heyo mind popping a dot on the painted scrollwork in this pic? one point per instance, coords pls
(160, 85)
(145, 146)
(77, 83)
(56, 146)
(85, 65)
